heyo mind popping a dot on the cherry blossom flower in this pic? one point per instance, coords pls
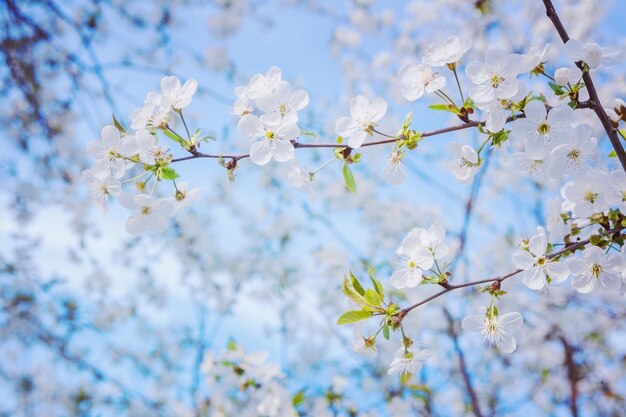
(533, 59)
(572, 157)
(536, 167)
(176, 95)
(465, 163)
(567, 75)
(283, 101)
(593, 54)
(261, 85)
(616, 192)
(101, 189)
(596, 268)
(154, 113)
(537, 266)
(394, 171)
(495, 78)
(365, 346)
(362, 121)
(495, 328)
(555, 225)
(151, 215)
(588, 194)
(110, 153)
(276, 134)
(542, 131)
(415, 79)
(149, 151)
(448, 53)
(301, 178)
(416, 259)
(406, 362)
(184, 197)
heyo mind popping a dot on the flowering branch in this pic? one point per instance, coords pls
(495, 280)
(594, 100)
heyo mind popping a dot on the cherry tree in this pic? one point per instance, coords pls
(448, 223)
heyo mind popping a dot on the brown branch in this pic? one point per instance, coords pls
(449, 287)
(572, 374)
(463, 365)
(594, 99)
(297, 145)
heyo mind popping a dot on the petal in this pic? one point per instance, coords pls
(523, 260)
(399, 278)
(346, 127)
(535, 111)
(535, 278)
(359, 106)
(506, 343)
(283, 150)
(169, 85)
(557, 271)
(249, 126)
(473, 323)
(377, 109)
(357, 139)
(261, 152)
(110, 136)
(511, 321)
(135, 225)
(538, 245)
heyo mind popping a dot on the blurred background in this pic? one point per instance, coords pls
(95, 322)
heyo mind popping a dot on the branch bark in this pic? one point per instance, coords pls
(594, 100)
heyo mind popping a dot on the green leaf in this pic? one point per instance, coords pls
(558, 90)
(231, 344)
(175, 138)
(372, 297)
(349, 178)
(119, 126)
(444, 107)
(308, 133)
(386, 332)
(612, 154)
(353, 316)
(351, 293)
(167, 173)
(356, 284)
(377, 285)
(407, 122)
(298, 398)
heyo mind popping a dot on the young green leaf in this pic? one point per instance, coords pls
(353, 316)
(167, 173)
(372, 297)
(349, 178)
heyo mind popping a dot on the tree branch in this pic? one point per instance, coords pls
(594, 99)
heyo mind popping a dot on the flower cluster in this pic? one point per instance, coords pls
(119, 152)
(277, 125)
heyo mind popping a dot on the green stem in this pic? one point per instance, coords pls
(458, 84)
(180, 113)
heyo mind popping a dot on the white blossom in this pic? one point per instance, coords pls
(588, 194)
(276, 134)
(362, 120)
(151, 215)
(542, 131)
(495, 78)
(406, 362)
(465, 163)
(573, 157)
(415, 79)
(176, 95)
(283, 101)
(110, 153)
(101, 189)
(537, 266)
(593, 54)
(495, 328)
(449, 52)
(596, 268)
